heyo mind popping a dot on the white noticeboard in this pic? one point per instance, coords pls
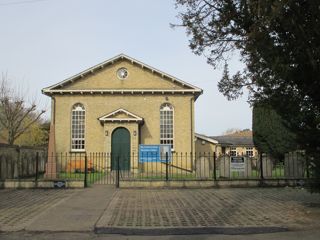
(237, 164)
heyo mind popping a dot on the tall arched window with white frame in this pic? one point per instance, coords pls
(78, 127)
(167, 124)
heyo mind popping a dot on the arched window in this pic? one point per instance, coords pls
(78, 127)
(166, 124)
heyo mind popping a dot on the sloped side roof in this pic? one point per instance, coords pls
(234, 140)
(242, 138)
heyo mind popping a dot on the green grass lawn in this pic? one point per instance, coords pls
(277, 172)
(91, 177)
(104, 177)
(162, 176)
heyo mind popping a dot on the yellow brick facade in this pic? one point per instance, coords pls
(145, 106)
(203, 146)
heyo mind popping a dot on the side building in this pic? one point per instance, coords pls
(236, 144)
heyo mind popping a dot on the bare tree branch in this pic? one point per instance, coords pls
(16, 116)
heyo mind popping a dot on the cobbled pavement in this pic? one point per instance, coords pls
(19, 207)
(284, 207)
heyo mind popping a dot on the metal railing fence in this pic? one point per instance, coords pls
(106, 168)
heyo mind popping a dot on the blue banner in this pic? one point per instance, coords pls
(154, 153)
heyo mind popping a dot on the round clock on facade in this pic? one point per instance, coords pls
(122, 73)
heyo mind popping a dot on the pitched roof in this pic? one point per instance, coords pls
(56, 87)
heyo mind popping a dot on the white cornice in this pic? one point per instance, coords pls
(120, 91)
(200, 136)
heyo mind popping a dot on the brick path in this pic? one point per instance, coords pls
(254, 207)
(19, 207)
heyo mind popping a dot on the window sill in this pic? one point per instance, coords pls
(77, 151)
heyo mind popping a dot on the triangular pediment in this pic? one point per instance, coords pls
(103, 78)
(120, 115)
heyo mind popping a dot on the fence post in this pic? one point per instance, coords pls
(37, 168)
(20, 171)
(261, 169)
(308, 165)
(85, 170)
(167, 166)
(118, 173)
(214, 166)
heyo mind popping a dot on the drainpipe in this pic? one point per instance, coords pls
(192, 132)
(191, 117)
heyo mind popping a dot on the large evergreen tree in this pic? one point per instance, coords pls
(270, 133)
(279, 42)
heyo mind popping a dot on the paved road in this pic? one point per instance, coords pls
(305, 235)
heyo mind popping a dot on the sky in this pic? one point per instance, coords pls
(46, 41)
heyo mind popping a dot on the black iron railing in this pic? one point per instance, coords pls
(106, 168)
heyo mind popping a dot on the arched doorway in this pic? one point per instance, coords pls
(120, 149)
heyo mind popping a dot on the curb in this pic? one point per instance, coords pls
(188, 230)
